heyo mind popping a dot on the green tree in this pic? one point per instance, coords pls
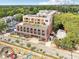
(28, 45)
(19, 17)
(3, 25)
(35, 10)
(17, 41)
(71, 25)
(10, 13)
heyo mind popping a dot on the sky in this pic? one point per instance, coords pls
(38, 2)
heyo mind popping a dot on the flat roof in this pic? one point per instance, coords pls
(42, 13)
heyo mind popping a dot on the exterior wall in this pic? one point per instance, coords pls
(43, 33)
(31, 31)
(49, 30)
(34, 20)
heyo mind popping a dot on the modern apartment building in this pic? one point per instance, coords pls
(39, 25)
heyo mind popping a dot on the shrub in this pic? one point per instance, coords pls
(28, 45)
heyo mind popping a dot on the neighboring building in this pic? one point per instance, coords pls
(10, 22)
(61, 34)
(39, 25)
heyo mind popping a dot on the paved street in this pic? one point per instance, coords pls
(21, 57)
(65, 54)
(53, 51)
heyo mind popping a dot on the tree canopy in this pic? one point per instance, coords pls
(71, 25)
(3, 25)
(12, 10)
(18, 17)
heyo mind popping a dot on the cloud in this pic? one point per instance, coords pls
(59, 2)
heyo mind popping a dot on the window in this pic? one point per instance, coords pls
(21, 28)
(46, 20)
(38, 19)
(24, 29)
(38, 22)
(43, 32)
(27, 29)
(34, 31)
(31, 30)
(39, 31)
(26, 18)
